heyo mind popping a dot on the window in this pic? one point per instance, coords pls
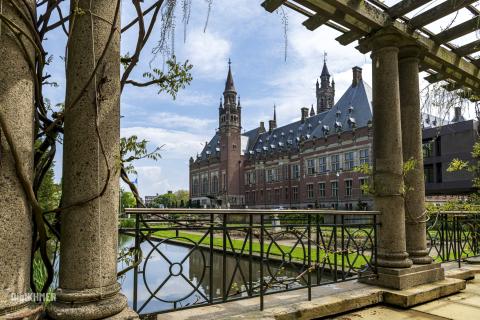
(310, 191)
(247, 178)
(311, 167)
(205, 185)
(363, 186)
(277, 195)
(349, 163)
(348, 188)
(322, 164)
(364, 156)
(321, 189)
(286, 193)
(427, 149)
(195, 186)
(269, 175)
(295, 193)
(224, 187)
(215, 184)
(335, 162)
(334, 186)
(296, 171)
(428, 171)
(269, 195)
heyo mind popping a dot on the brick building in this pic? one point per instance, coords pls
(307, 163)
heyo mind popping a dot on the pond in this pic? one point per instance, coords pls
(176, 276)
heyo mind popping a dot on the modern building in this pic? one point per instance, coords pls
(312, 162)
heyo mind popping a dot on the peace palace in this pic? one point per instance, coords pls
(311, 163)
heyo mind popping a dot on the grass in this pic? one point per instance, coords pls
(275, 249)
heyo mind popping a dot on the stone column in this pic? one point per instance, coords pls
(387, 154)
(415, 225)
(17, 114)
(88, 287)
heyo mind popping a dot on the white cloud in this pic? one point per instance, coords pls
(208, 53)
(176, 145)
(176, 121)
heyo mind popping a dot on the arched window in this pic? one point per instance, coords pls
(205, 185)
(215, 184)
(195, 186)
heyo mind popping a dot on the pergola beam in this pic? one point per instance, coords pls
(362, 19)
(272, 5)
(458, 30)
(405, 7)
(438, 12)
(315, 21)
(469, 48)
(337, 15)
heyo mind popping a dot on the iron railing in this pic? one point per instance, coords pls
(453, 236)
(194, 257)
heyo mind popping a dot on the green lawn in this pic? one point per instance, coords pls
(275, 250)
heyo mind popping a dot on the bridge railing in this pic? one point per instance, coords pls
(194, 257)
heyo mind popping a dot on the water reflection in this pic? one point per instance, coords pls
(176, 276)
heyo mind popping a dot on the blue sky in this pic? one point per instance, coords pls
(254, 40)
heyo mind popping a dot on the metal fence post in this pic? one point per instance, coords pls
(210, 280)
(262, 225)
(137, 256)
(309, 275)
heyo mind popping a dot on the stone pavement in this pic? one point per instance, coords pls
(335, 299)
(463, 305)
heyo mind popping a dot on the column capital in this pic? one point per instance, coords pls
(408, 52)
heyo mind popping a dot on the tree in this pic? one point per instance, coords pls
(127, 200)
(49, 193)
(167, 200)
(182, 197)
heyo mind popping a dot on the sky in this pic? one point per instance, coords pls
(254, 40)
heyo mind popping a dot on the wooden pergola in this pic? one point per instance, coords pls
(358, 20)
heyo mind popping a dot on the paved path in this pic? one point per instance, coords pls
(464, 305)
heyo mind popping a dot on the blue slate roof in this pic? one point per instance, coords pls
(352, 110)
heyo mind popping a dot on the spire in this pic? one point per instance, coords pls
(325, 72)
(229, 86)
(274, 113)
(238, 103)
(312, 111)
(220, 107)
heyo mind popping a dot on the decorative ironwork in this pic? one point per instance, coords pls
(194, 257)
(454, 236)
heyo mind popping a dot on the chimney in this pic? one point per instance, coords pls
(262, 127)
(271, 125)
(458, 115)
(357, 76)
(304, 114)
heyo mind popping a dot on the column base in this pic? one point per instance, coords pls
(404, 278)
(420, 257)
(114, 307)
(394, 260)
(29, 311)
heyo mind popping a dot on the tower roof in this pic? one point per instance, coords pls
(325, 72)
(229, 85)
